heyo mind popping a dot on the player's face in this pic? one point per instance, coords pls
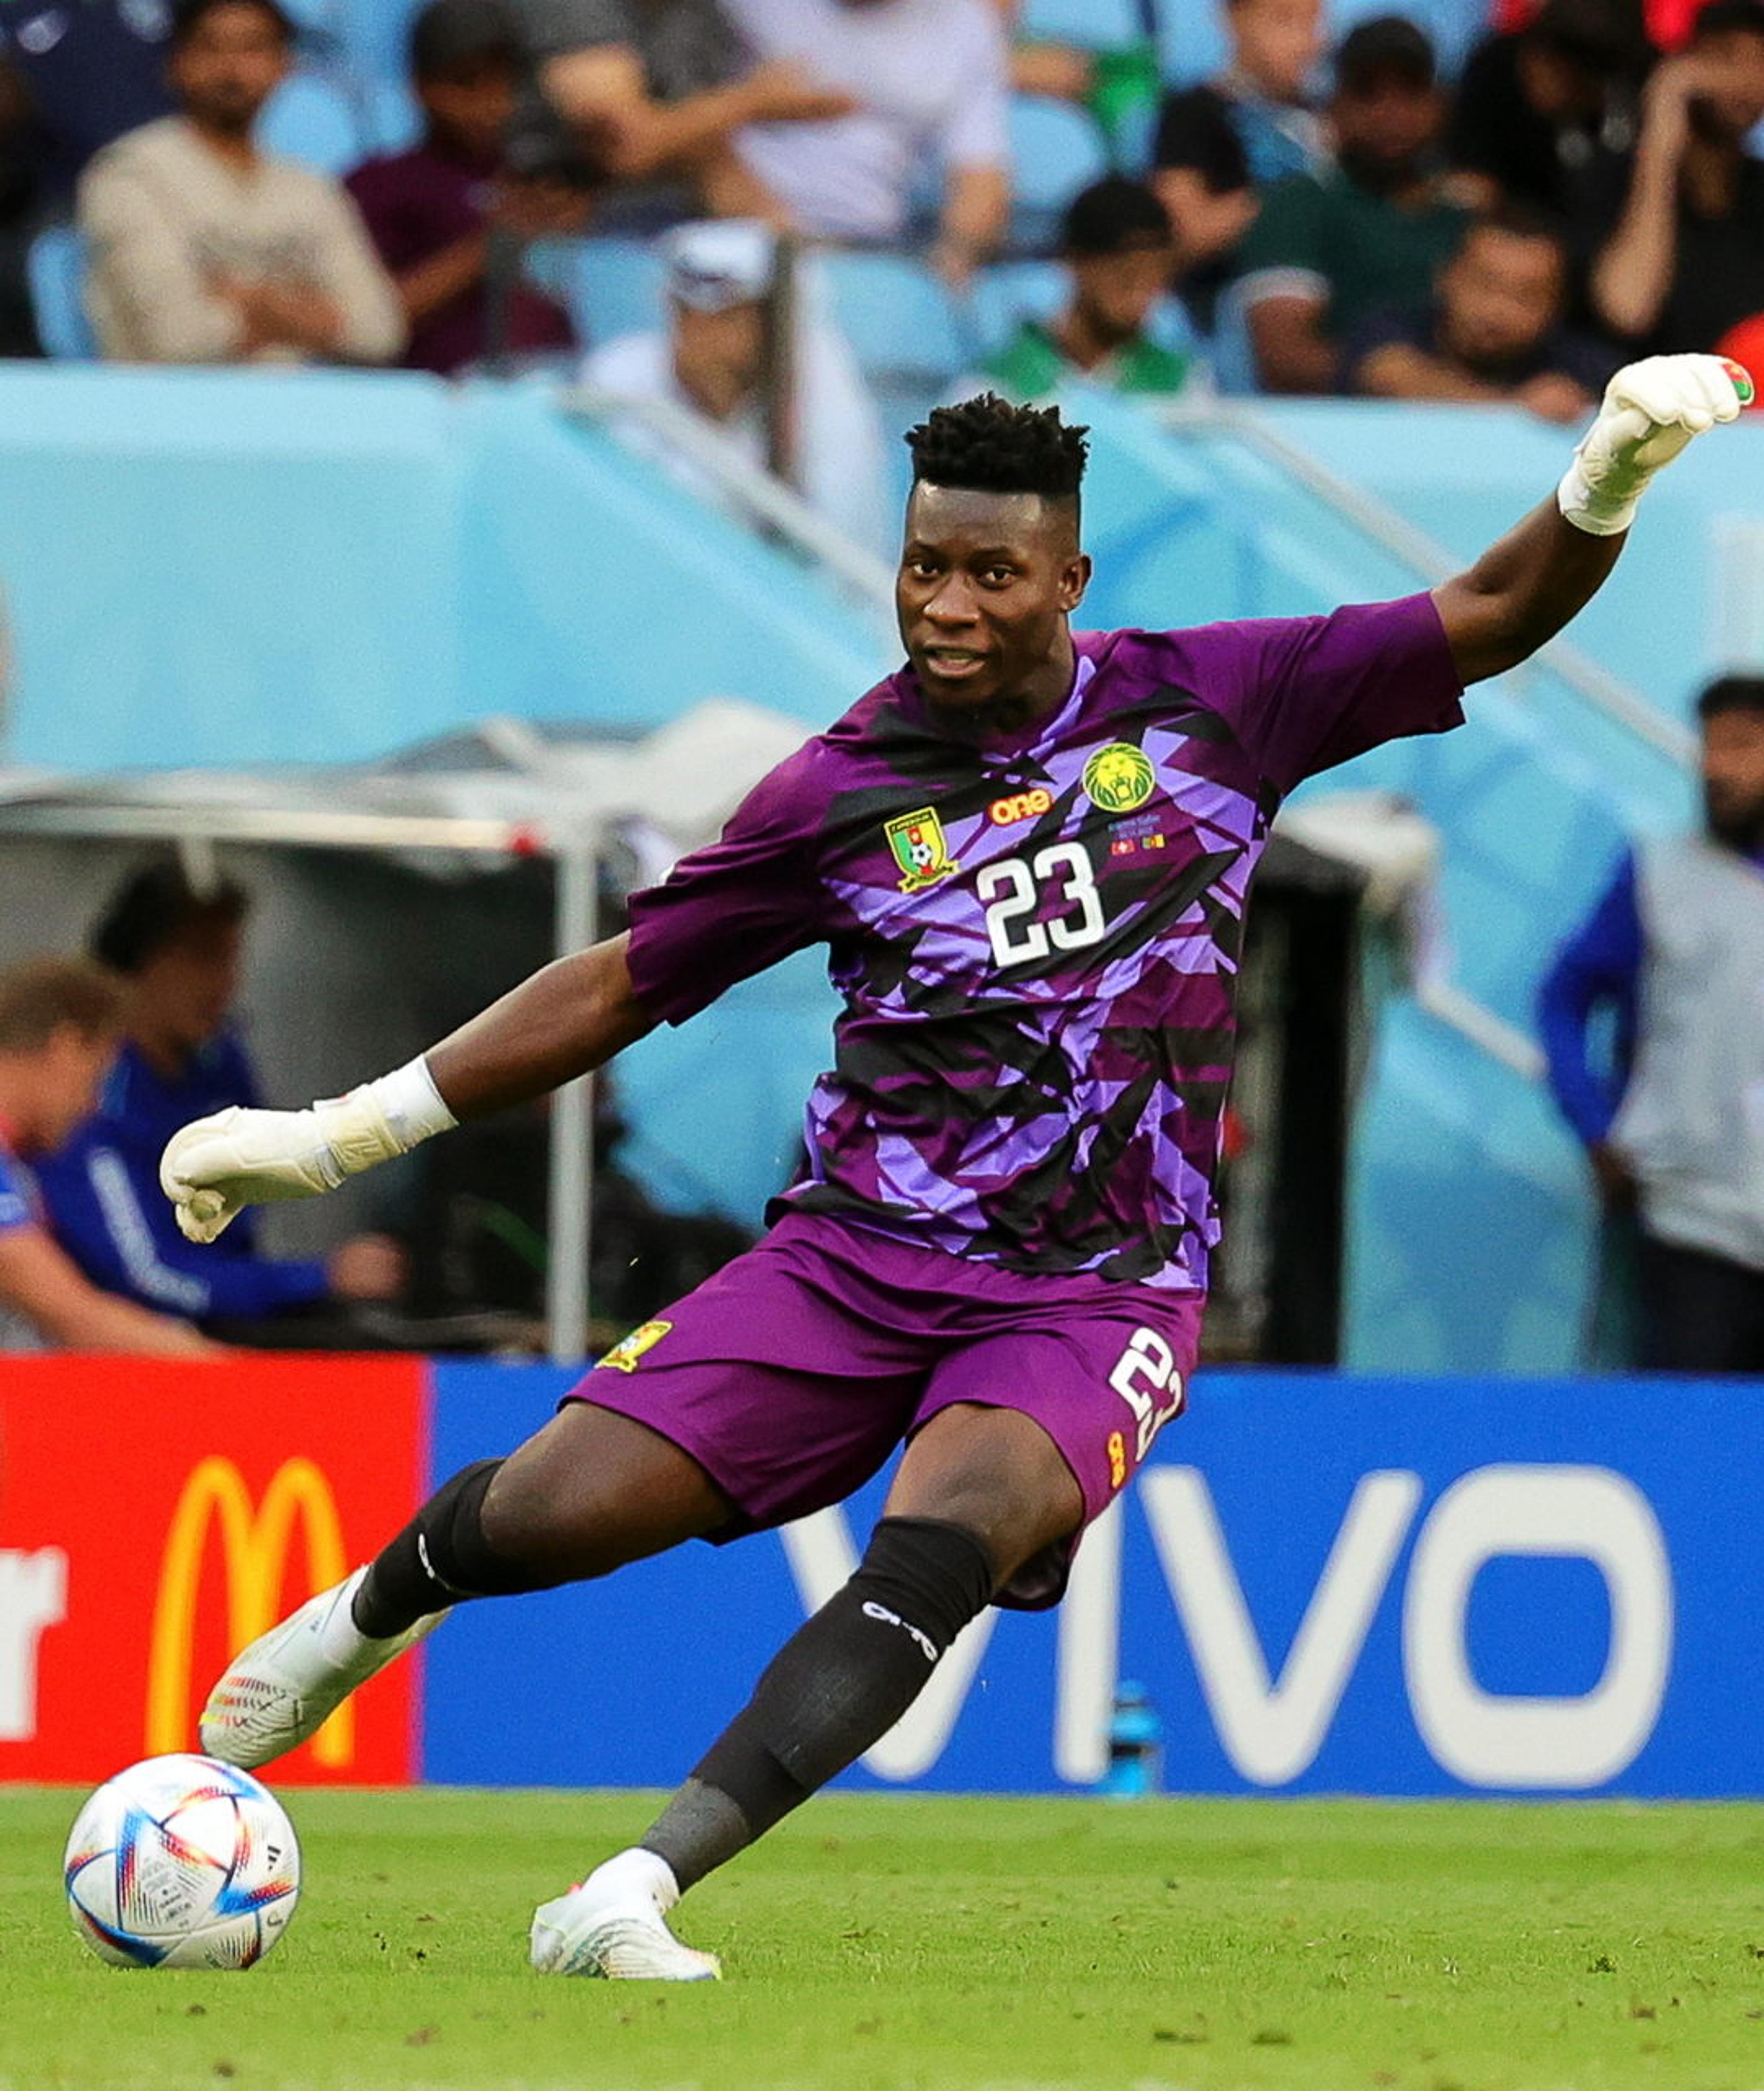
(1501, 296)
(1732, 62)
(986, 584)
(1277, 42)
(1733, 777)
(186, 991)
(1118, 291)
(232, 61)
(1384, 127)
(472, 103)
(73, 1068)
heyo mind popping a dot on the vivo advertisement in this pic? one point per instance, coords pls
(1320, 1585)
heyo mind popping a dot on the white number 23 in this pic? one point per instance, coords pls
(1013, 889)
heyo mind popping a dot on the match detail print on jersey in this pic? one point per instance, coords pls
(1035, 938)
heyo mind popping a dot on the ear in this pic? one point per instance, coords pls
(1074, 579)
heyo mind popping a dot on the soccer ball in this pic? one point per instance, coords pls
(182, 1862)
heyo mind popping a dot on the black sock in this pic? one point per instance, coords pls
(840, 1684)
(439, 1559)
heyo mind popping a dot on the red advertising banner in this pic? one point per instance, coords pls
(154, 1516)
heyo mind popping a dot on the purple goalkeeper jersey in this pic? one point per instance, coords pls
(1036, 938)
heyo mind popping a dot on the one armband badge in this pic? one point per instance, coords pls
(919, 846)
(626, 1354)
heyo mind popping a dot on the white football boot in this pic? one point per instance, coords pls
(291, 1680)
(614, 1925)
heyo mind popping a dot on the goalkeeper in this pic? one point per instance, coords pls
(1029, 853)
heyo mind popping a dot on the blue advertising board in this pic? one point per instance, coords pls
(1322, 1584)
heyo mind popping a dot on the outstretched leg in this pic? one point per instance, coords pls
(588, 1492)
(980, 1492)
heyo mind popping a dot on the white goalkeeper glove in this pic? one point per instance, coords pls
(213, 1169)
(1650, 411)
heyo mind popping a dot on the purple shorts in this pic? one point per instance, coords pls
(792, 1375)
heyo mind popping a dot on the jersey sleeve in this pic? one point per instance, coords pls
(1599, 968)
(1285, 253)
(18, 1203)
(728, 911)
(1304, 693)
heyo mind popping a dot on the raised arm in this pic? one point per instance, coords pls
(569, 1018)
(1527, 585)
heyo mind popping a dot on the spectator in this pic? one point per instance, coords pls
(1674, 953)
(655, 91)
(178, 951)
(1374, 229)
(1492, 332)
(1545, 116)
(1686, 262)
(711, 360)
(59, 1020)
(931, 78)
(205, 250)
(1221, 142)
(1118, 249)
(449, 219)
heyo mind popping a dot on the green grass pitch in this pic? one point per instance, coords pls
(903, 1944)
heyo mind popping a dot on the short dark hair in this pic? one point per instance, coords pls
(1730, 693)
(1591, 34)
(1385, 44)
(1113, 216)
(987, 446)
(188, 16)
(43, 996)
(1727, 17)
(154, 907)
(448, 34)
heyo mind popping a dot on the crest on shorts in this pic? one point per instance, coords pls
(1120, 778)
(625, 1354)
(919, 847)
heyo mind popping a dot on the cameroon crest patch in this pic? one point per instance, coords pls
(920, 850)
(1120, 778)
(625, 1354)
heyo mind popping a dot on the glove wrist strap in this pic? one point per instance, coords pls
(412, 1106)
(381, 1120)
(1599, 514)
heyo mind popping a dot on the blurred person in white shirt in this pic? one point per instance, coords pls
(206, 249)
(710, 359)
(932, 80)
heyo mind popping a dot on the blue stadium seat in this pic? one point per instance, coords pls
(1103, 25)
(612, 285)
(375, 34)
(901, 321)
(1056, 150)
(1012, 291)
(393, 118)
(56, 267)
(312, 120)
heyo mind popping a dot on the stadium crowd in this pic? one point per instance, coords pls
(251, 182)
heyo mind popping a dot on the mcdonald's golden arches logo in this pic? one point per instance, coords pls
(254, 1552)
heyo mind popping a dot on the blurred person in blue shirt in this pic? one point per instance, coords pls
(178, 949)
(1651, 1023)
(60, 1019)
(1221, 142)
